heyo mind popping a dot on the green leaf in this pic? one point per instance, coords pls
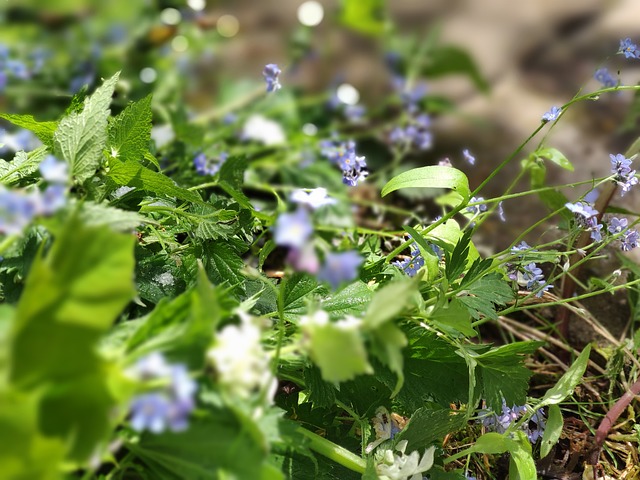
(554, 155)
(552, 430)
(364, 16)
(223, 264)
(389, 302)
(207, 450)
(427, 426)
(296, 291)
(568, 382)
(351, 300)
(338, 350)
(456, 261)
(503, 375)
(232, 171)
(522, 466)
(68, 302)
(98, 214)
(484, 294)
(446, 60)
(430, 177)
(322, 394)
(22, 165)
(81, 137)
(491, 443)
(453, 317)
(133, 174)
(387, 343)
(130, 131)
(43, 130)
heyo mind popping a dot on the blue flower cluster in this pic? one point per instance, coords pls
(11, 67)
(411, 264)
(19, 208)
(629, 238)
(605, 78)
(169, 407)
(209, 166)
(623, 175)
(271, 74)
(500, 423)
(415, 134)
(586, 218)
(530, 275)
(343, 154)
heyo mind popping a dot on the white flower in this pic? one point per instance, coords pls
(319, 318)
(263, 130)
(314, 198)
(404, 467)
(165, 279)
(162, 134)
(243, 366)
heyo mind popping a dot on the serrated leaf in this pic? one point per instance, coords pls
(446, 60)
(427, 426)
(430, 177)
(456, 261)
(554, 155)
(351, 300)
(453, 317)
(568, 382)
(22, 165)
(133, 174)
(389, 302)
(337, 348)
(43, 130)
(223, 264)
(321, 393)
(502, 374)
(297, 290)
(232, 171)
(130, 131)
(483, 294)
(552, 430)
(81, 137)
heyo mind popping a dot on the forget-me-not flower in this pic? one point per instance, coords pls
(292, 229)
(340, 267)
(605, 78)
(552, 114)
(271, 73)
(628, 48)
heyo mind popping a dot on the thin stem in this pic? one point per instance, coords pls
(334, 452)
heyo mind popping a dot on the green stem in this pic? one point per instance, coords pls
(334, 452)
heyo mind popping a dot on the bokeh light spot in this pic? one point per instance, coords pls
(310, 13)
(170, 16)
(148, 75)
(348, 94)
(228, 26)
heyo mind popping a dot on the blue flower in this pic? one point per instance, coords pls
(500, 423)
(501, 212)
(629, 49)
(604, 77)
(534, 279)
(150, 411)
(17, 69)
(624, 176)
(340, 267)
(413, 263)
(52, 199)
(292, 229)
(17, 210)
(271, 73)
(617, 225)
(630, 240)
(468, 157)
(477, 209)
(552, 114)
(354, 168)
(521, 247)
(415, 134)
(582, 209)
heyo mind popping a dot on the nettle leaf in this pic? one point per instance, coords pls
(296, 290)
(502, 374)
(130, 131)
(223, 264)
(43, 130)
(387, 343)
(22, 165)
(69, 301)
(456, 261)
(351, 300)
(81, 137)
(232, 171)
(133, 174)
(427, 426)
(321, 393)
(484, 294)
(453, 317)
(430, 177)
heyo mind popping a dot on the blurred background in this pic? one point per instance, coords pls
(508, 63)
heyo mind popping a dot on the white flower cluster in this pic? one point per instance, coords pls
(403, 467)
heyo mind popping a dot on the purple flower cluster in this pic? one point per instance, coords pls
(586, 218)
(628, 49)
(271, 73)
(167, 408)
(530, 275)
(19, 208)
(411, 264)
(415, 134)
(477, 209)
(605, 78)
(343, 154)
(468, 157)
(209, 166)
(340, 267)
(500, 423)
(629, 238)
(624, 176)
